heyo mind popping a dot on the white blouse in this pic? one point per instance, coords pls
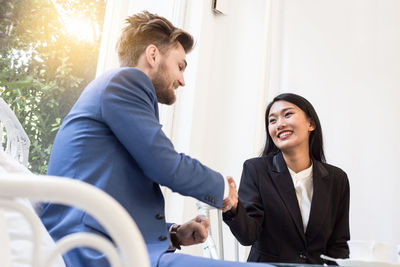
(303, 184)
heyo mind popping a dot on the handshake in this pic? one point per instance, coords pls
(230, 203)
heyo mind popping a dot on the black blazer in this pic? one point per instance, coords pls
(268, 215)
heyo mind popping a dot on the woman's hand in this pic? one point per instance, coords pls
(234, 195)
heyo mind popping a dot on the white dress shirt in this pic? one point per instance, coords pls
(303, 184)
(226, 188)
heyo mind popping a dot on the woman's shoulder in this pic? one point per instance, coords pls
(334, 170)
(261, 162)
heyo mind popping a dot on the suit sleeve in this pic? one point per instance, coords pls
(246, 225)
(337, 244)
(129, 108)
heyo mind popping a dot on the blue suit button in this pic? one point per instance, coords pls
(159, 216)
(162, 238)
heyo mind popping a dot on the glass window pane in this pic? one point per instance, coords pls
(48, 54)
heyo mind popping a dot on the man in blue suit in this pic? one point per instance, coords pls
(113, 140)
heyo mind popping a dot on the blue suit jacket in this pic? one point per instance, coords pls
(113, 140)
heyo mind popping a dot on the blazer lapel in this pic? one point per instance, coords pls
(284, 184)
(319, 200)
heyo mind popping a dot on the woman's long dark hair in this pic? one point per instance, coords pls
(315, 141)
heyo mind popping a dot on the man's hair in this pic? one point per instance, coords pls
(144, 29)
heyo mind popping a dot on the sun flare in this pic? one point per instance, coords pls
(77, 25)
(80, 28)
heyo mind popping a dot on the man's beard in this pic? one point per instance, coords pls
(161, 83)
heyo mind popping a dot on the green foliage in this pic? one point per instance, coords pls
(43, 69)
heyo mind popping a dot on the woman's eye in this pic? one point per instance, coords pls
(288, 114)
(180, 67)
(272, 121)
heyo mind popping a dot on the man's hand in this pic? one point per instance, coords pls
(194, 231)
(230, 203)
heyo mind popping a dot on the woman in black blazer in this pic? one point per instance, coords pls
(292, 206)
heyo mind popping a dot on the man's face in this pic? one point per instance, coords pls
(169, 75)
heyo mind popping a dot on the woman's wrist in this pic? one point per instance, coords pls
(234, 209)
(230, 214)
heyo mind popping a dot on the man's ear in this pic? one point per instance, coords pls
(152, 55)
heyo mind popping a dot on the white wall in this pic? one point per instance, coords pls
(344, 57)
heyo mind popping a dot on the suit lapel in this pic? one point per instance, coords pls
(319, 200)
(284, 184)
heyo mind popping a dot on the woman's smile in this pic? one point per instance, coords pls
(283, 135)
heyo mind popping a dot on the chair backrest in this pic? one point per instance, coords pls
(16, 188)
(209, 248)
(118, 223)
(12, 135)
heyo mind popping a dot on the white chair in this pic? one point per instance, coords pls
(209, 248)
(118, 223)
(13, 135)
(17, 185)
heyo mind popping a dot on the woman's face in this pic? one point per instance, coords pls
(288, 126)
